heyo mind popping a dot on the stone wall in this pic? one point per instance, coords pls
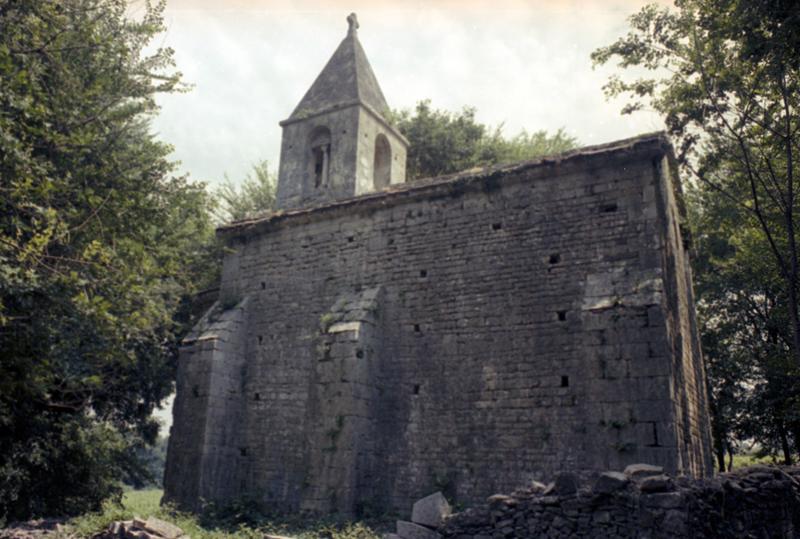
(641, 503)
(530, 319)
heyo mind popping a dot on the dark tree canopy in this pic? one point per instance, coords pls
(442, 142)
(99, 247)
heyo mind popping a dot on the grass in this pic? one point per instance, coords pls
(741, 461)
(223, 524)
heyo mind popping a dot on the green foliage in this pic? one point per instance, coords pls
(239, 520)
(100, 249)
(745, 332)
(442, 142)
(253, 197)
(153, 459)
(61, 466)
(725, 75)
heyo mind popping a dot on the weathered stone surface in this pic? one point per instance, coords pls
(697, 508)
(663, 500)
(566, 483)
(409, 530)
(500, 499)
(162, 528)
(656, 483)
(609, 482)
(431, 510)
(345, 99)
(638, 471)
(527, 319)
(538, 487)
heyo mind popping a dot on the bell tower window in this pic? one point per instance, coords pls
(382, 164)
(320, 156)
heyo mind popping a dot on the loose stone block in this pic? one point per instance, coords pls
(409, 530)
(566, 483)
(162, 528)
(638, 471)
(656, 483)
(431, 510)
(609, 482)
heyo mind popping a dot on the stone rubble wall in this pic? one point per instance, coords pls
(755, 502)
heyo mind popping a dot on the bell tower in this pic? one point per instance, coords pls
(338, 144)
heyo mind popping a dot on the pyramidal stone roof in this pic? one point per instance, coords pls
(346, 79)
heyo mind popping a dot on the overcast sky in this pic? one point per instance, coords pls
(521, 64)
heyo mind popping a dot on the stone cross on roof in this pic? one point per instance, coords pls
(352, 22)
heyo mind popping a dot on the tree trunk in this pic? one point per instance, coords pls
(787, 451)
(719, 449)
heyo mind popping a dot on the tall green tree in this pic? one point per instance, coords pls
(745, 332)
(443, 142)
(100, 246)
(254, 196)
(724, 74)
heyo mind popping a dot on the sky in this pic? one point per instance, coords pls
(522, 64)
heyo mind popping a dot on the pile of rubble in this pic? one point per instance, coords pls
(152, 528)
(642, 501)
(35, 529)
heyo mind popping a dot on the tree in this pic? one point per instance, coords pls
(255, 195)
(724, 74)
(744, 332)
(100, 247)
(442, 142)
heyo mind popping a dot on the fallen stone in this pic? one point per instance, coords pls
(566, 483)
(409, 530)
(638, 471)
(538, 487)
(501, 499)
(609, 482)
(430, 511)
(139, 523)
(162, 528)
(656, 483)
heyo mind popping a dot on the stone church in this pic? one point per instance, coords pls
(375, 340)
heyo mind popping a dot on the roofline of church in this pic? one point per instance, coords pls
(348, 104)
(650, 144)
